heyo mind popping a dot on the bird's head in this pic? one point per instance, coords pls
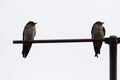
(31, 23)
(98, 23)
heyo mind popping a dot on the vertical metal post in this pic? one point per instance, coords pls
(113, 41)
(113, 58)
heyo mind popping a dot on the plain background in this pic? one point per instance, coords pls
(57, 19)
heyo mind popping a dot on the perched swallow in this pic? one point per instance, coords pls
(29, 33)
(98, 33)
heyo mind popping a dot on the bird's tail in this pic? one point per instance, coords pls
(96, 55)
(97, 47)
(26, 49)
(97, 51)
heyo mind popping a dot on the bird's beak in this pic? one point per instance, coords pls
(35, 24)
(103, 22)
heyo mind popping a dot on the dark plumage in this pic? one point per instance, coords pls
(28, 34)
(98, 33)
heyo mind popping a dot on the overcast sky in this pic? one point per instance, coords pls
(57, 19)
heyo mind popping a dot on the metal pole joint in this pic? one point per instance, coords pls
(111, 40)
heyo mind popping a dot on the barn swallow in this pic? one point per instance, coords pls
(98, 33)
(29, 33)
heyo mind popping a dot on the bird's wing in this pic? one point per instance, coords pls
(35, 33)
(92, 30)
(104, 30)
(24, 32)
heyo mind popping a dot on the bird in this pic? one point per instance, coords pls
(29, 33)
(98, 33)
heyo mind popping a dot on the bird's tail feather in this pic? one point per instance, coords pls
(97, 46)
(97, 51)
(96, 55)
(26, 49)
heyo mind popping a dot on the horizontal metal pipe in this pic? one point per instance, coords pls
(55, 41)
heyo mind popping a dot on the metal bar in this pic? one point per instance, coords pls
(113, 58)
(118, 40)
(113, 41)
(55, 41)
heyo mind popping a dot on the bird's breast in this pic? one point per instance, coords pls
(98, 34)
(29, 34)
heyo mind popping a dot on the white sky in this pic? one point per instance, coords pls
(57, 19)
